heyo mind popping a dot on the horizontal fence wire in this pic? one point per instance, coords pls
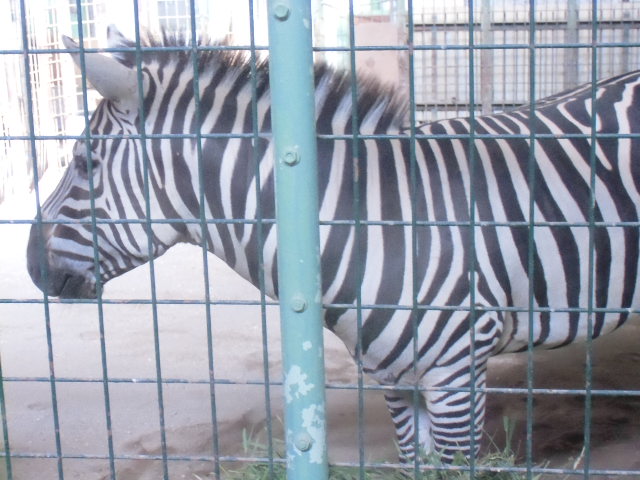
(478, 136)
(357, 48)
(387, 466)
(341, 306)
(338, 386)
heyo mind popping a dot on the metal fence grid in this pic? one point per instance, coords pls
(47, 367)
(563, 33)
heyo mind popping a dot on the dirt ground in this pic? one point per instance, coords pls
(133, 357)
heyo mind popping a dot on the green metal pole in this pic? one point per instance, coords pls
(293, 120)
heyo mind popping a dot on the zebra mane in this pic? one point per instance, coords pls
(378, 104)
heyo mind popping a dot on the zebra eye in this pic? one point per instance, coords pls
(82, 164)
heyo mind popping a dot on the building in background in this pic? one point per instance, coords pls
(51, 103)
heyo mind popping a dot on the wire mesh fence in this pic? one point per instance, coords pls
(175, 371)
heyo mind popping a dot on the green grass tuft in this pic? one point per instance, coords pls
(501, 462)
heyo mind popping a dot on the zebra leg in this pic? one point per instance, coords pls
(454, 389)
(455, 401)
(442, 415)
(402, 406)
(448, 413)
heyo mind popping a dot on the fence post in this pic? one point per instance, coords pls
(486, 59)
(293, 120)
(572, 36)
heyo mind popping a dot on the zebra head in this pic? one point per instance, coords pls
(77, 245)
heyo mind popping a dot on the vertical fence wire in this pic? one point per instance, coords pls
(417, 393)
(94, 234)
(471, 266)
(39, 225)
(593, 160)
(259, 226)
(149, 228)
(5, 428)
(531, 171)
(195, 51)
(358, 235)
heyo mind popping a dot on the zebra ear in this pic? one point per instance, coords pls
(115, 39)
(111, 78)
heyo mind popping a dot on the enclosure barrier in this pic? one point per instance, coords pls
(306, 448)
(291, 77)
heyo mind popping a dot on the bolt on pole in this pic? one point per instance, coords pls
(293, 119)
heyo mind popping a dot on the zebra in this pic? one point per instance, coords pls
(455, 259)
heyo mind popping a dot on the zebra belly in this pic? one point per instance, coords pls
(562, 330)
(551, 306)
(404, 351)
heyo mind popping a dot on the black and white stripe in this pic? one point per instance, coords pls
(470, 283)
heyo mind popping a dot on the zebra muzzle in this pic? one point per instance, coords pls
(54, 280)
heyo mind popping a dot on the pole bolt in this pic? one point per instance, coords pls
(281, 11)
(298, 304)
(291, 157)
(303, 442)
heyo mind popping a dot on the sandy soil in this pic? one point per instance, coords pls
(237, 353)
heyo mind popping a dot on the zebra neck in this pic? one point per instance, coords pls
(237, 201)
(236, 172)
